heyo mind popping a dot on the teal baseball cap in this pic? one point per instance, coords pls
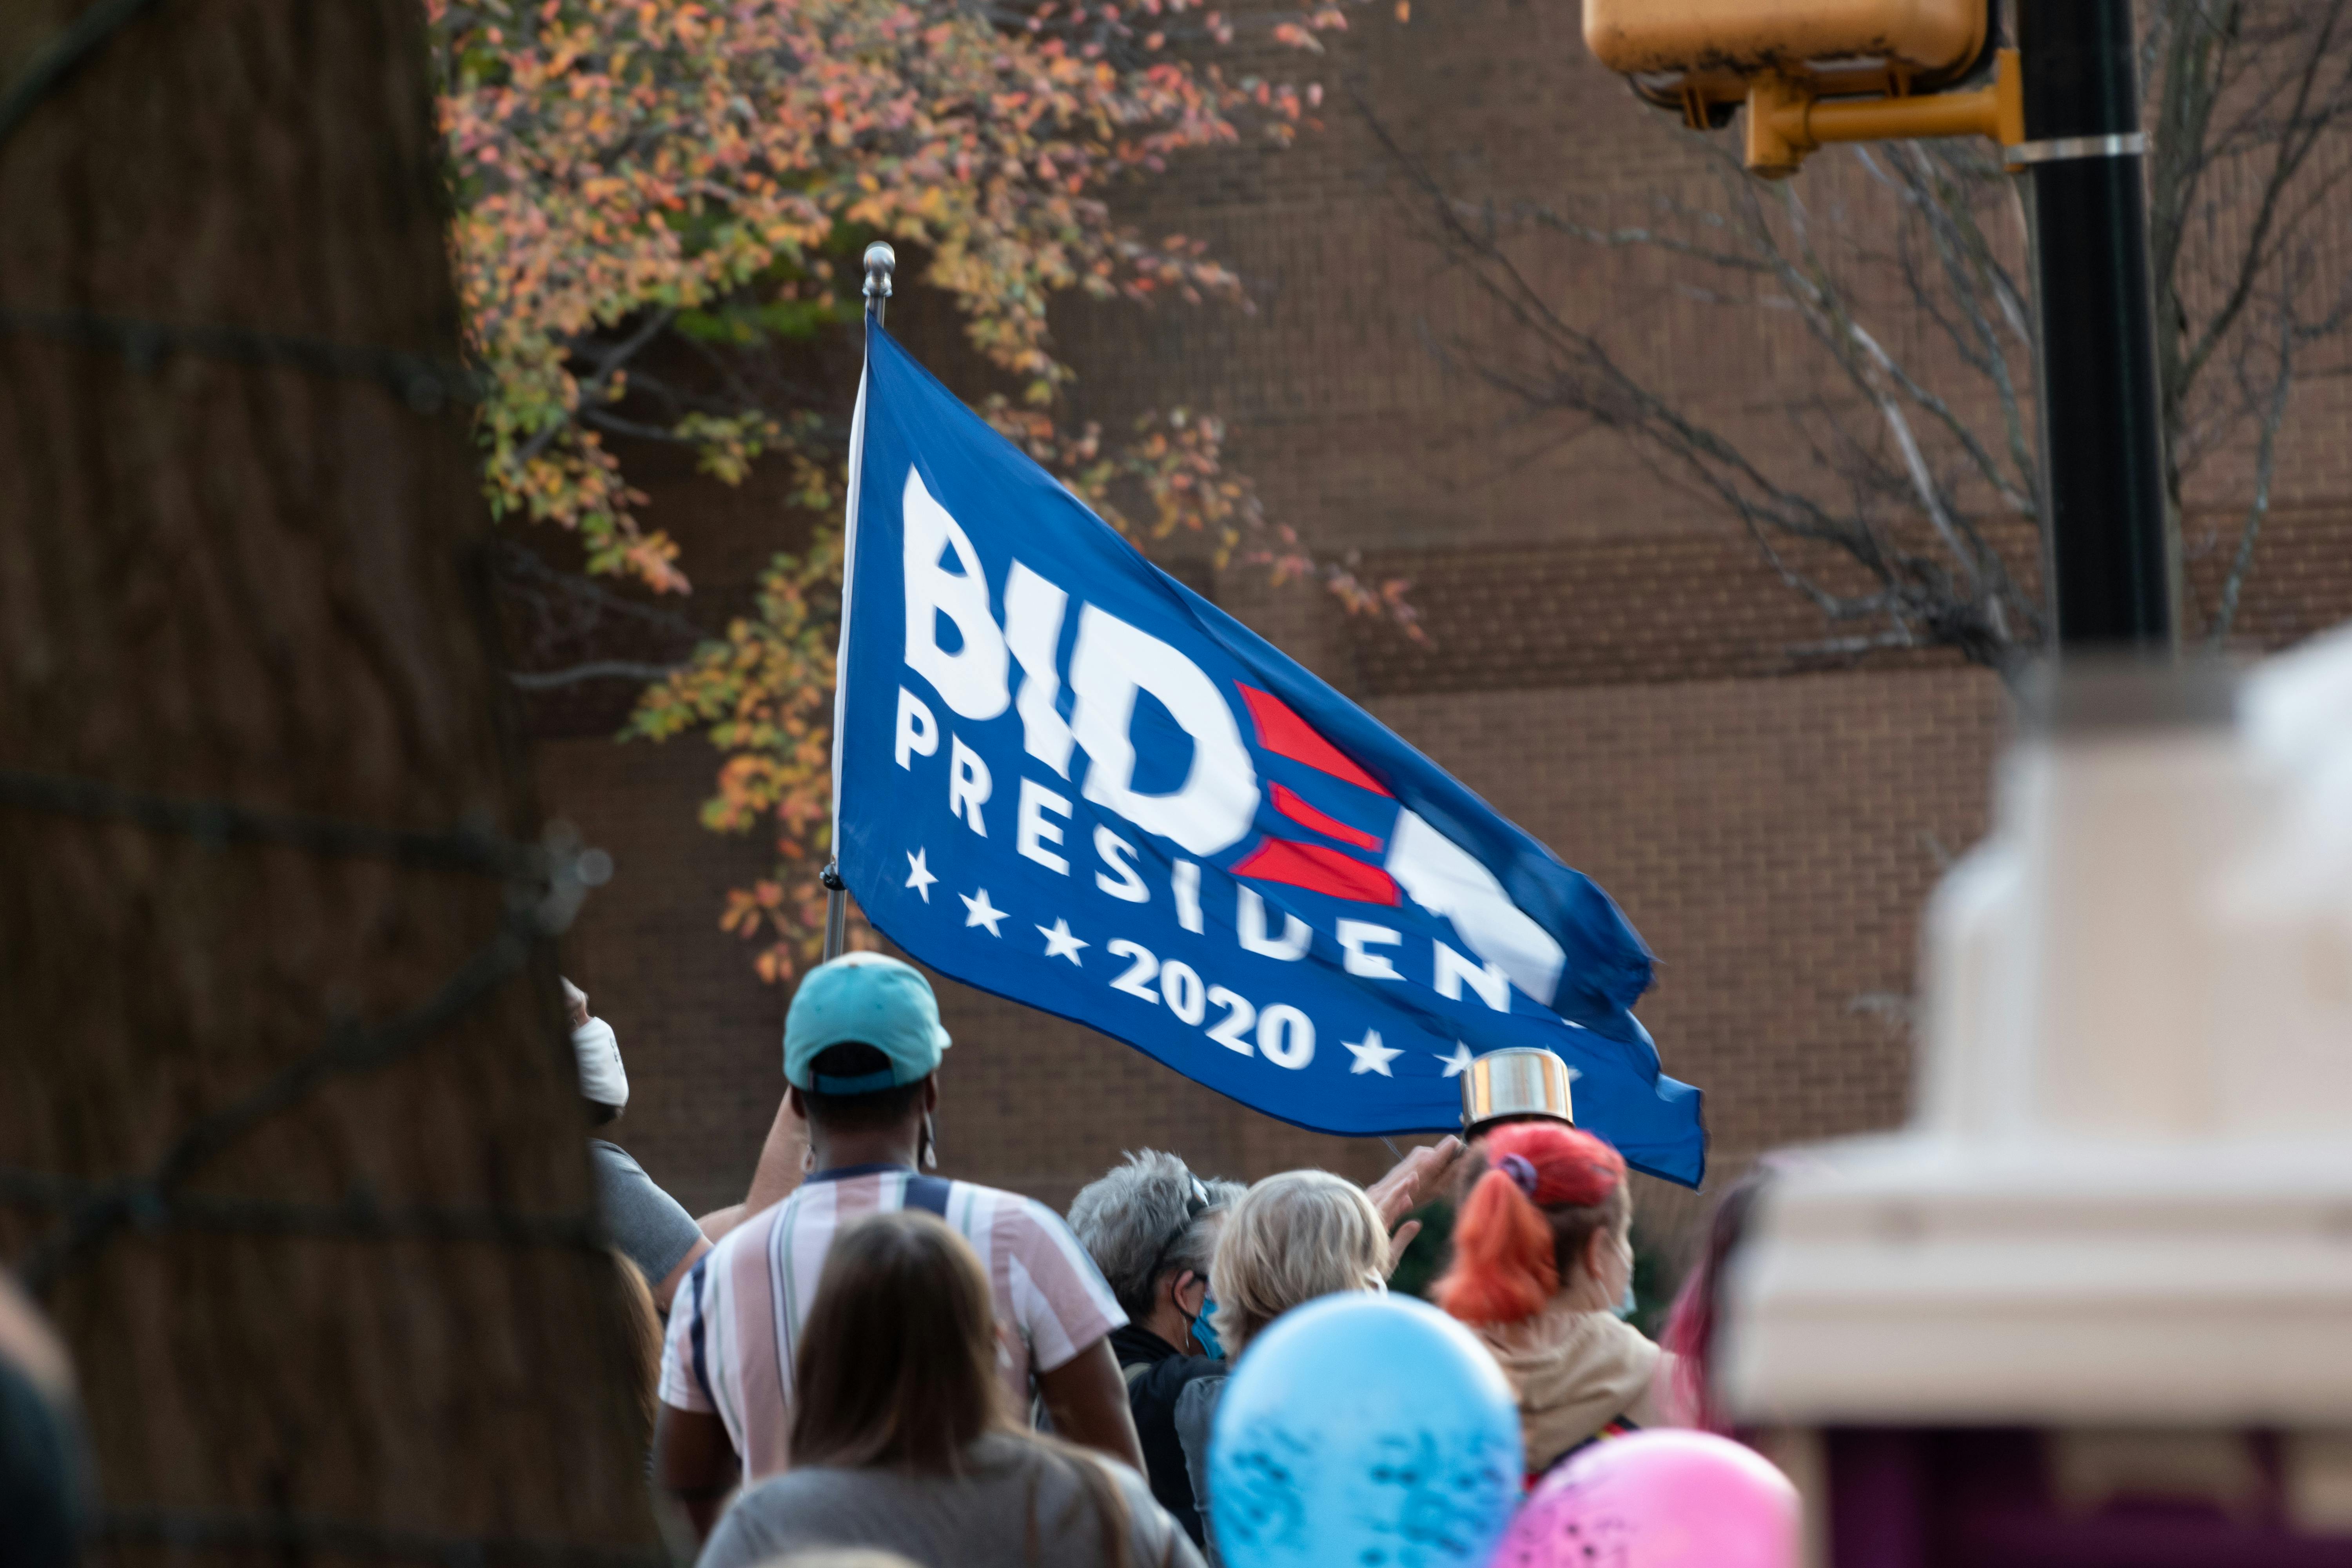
(871, 999)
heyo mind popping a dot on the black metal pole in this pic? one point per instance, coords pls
(2110, 558)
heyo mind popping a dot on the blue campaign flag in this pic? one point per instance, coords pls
(1062, 776)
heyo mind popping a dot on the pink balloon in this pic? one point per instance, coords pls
(1658, 1499)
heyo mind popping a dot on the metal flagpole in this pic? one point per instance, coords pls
(881, 262)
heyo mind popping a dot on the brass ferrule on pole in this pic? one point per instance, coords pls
(1785, 120)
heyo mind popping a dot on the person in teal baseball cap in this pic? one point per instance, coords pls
(868, 999)
(863, 1044)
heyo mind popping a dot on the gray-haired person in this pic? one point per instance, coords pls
(1151, 1226)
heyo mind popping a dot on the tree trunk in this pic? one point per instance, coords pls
(288, 1138)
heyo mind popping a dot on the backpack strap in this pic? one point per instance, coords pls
(929, 1193)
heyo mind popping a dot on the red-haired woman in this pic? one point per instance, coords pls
(1542, 1258)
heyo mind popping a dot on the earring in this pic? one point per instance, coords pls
(808, 1159)
(930, 1143)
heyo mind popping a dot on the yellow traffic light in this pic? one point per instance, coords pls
(1880, 62)
(1923, 43)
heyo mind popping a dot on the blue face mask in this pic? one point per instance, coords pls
(1203, 1330)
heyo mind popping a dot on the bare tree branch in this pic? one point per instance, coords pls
(1913, 462)
(2290, 151)
(601, 670)
(2257, 509)
(522, 572)
(573, 628)
(610, 360)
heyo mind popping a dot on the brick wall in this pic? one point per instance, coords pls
(1771, 840)
(1610, 663)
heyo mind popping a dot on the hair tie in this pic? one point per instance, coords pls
(1521, 1170)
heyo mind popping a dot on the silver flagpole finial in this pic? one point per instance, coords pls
(881, 261)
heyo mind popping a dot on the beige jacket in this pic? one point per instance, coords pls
(1573, 1374)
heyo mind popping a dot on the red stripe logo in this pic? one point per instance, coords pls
(1287, 801)
(1319, 870)
(1286, 734)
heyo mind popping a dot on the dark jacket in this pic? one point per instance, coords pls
(1157, 1374)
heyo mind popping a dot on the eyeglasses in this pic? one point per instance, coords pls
(1196, 1203)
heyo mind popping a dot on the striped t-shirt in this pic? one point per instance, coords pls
(735, 1324)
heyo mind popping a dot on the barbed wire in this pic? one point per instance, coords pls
(473, 846)
(426, 386)
(545, 882)
(145, 1198)
(62, 56)
(360, 1214)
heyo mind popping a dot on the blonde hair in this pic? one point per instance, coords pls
(1289, 1239)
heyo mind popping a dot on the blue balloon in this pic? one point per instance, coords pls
(1364, 1432)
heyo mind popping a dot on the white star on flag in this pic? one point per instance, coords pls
(1059, 942)
(979, 911)
(918, 875)
(1371, 1055)
(1459, 1062)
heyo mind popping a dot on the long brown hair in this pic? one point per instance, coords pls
(641, 1326)
(896, 1367)
(896, 1363)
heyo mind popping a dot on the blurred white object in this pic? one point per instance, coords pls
(2128, 1192)
(2284, 985)
(602, 1079)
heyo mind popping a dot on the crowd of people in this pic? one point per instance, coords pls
(867, 1364)
(871, 1356)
